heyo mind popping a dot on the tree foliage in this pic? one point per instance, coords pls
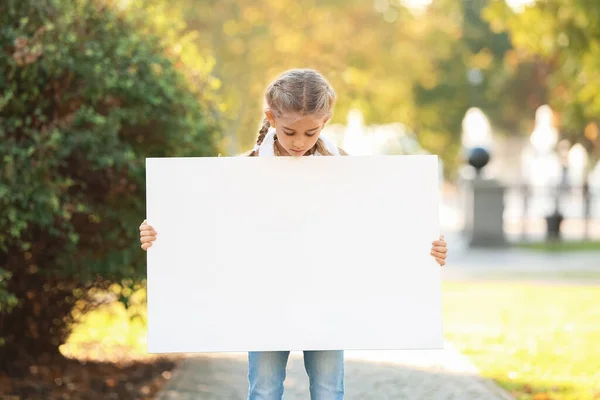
(566, 35)
(394, 64)
(374, 55)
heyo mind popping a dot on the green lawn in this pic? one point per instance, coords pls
(562, 246)
(537, 341)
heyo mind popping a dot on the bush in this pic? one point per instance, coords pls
(85, 96)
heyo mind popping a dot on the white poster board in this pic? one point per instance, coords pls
(287, 253)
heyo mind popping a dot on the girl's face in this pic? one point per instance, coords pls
(297, 134)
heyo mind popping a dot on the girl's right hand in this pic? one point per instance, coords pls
(147, 235)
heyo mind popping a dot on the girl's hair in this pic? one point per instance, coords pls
(299, 91)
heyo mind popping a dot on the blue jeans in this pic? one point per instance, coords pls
(325, 369)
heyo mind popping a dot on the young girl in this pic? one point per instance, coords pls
(298, 105)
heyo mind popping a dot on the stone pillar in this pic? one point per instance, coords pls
(487, 208)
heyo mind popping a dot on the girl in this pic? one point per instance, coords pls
(298, 105)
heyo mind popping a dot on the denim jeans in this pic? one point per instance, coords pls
(325, 369)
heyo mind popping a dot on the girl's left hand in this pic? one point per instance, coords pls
(439, 250)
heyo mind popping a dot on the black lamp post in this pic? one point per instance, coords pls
(554, 220)
(478, 158)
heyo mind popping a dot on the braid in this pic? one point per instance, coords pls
(262, 132)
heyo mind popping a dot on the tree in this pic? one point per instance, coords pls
(393, 64)
(373, 55)
(473, 67)
(86, 94)
(566, 35)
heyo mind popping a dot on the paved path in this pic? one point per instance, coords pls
(376, 375)
(519, 264)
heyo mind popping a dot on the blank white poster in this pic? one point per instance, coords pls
(293, 253)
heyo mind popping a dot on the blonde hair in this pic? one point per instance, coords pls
(299, 91)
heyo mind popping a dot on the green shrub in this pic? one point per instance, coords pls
(85, 95)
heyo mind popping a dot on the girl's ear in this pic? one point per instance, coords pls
(271, 117)
(325, 120)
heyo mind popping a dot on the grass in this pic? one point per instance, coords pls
(561, 246)
(537, 341)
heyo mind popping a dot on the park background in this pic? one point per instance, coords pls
(90, 88)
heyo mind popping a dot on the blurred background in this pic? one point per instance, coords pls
(506, 93)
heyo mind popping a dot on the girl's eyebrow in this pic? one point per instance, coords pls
(290, 129)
